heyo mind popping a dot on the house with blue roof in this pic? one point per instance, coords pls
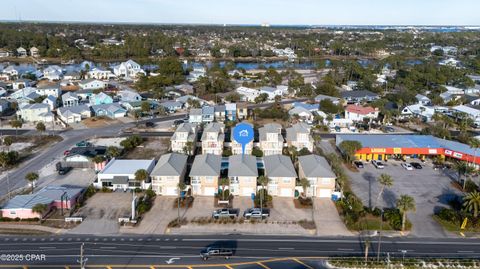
(112, 111)
(100, 99)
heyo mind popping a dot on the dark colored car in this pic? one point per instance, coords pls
(212, 252)
(62, 170)
(416, 165)
(149, 124)
(358, 164)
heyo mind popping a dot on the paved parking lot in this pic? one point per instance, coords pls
(156, 220)
(431, 190)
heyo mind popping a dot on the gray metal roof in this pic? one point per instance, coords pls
(315, 166)
(279, 166)
(46, 196)
(358, 94)
(171, 164)
(214, 127)
(195, 111)
(206, 165)
(119, 180)
(126, 167)
(242, 166)
(270, 128)
(299, 128)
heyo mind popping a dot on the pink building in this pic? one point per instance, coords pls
(52, 196)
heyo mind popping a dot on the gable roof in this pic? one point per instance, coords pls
(315, 166)
(358, 94)
(242, 166)
(171, 164)
(206, 165)
(362, 110)
(129, 167)
(279, 166)
(298, 128)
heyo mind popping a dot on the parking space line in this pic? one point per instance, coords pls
(263, 265)
(302, 263)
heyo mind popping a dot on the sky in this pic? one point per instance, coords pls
(274, 12)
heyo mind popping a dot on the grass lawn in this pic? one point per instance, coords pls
(369, 222)
(455, 227)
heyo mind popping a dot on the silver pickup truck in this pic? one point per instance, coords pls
(256, 213)
(225, 213)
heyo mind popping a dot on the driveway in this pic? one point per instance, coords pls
(431, 190)
(327, 220)
(157, 219)
(284, 210)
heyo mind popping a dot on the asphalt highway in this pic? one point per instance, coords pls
(160, 251)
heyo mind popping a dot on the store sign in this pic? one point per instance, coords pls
(448, 152)
(397, 151)
(378, 150)
(432, 151)
(457, 155)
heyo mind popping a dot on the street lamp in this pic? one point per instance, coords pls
(379, 235)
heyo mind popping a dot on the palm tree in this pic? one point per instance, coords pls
(404, 204)
(141, 175)
(31, 177)
(181, 187)
(471, 202)
(187, 149)
(98, 159)
(463, 169)
(292, 150)
(475, 144)
(305, 184)
(40, 208)
(224, 182)
(263, 181)
(113, 151)
(385, 181)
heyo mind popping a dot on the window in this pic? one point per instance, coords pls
(13, 213)
(209, 179)
(286, 180)
(325, 181)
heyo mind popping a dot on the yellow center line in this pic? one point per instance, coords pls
(263, 265)
(152, 267)
(302, 263)
(228, 266)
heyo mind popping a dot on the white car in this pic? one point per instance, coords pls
(378, 164)
(407, 166)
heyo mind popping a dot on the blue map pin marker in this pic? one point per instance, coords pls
(243, 134)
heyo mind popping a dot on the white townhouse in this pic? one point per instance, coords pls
(92, 84)
(281, 175)
(128, 69)
(248, 94)
(185, 134)
(170, 170)
(271, 139)
(53, 72)
(120, 174)
(212, 138)
(299, 136)
(100, 74)
(319, 174)
(237, 147)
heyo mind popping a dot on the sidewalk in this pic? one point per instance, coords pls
(32, 227)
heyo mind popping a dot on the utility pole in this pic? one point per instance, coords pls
(380, 236)
(8, 186)
(82, 261)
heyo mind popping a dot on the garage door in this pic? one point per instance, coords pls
(171, 191)
(324, 193)
(247, 191)
(286, 192)
(210, 191)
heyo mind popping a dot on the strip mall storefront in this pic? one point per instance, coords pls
(383, 154)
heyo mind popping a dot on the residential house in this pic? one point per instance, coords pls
(51, 101)
(74, 114)
(113, 110)
(71, 75)
(417, 110)
(100, 99)
(248, 94)
(185, 137)
(11, 71)
(271, 139)
(21, 206)
(237, 147)
(128, 69)
(272, 92)
(205, 173)
(212, 138)
(470, 112)
(81, 157)
(195, 116)
(318, 173)
(208, 114)
(231, 112)
(196, 73)
(358, 113)
(129, 96)
(169, 171)
(281, 175)
(473, 100)
(242, 111)
(100, 74)
(423, 100)
(35, 113)
(120, 174)
(219, 113)
(302, 113)
(359, 96)
(452, 62)
(92, 84)
(24, 96)
(4, 106)
(34, 52)
(320, 97)
(171, 106)
(184, 100)
(53, 72)
(4, 53)
(21, 83)
(70, 99)
(243, 173)
(184, 88)
(46, 89)
(299, 136)
(21, 52)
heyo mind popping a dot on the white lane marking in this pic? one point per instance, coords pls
(167, 247)
(47, 247)
(109, 247)
(465, 251)
(345, 249)
(286, 248)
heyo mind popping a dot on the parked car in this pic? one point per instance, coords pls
(378, 164)
(177, 122)
(62, 170)
(256, 213)
(149, 124)
(216, 252)
(407, 166)
(83, 144)
(225, 213)
(358, 164)
(416, 165)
